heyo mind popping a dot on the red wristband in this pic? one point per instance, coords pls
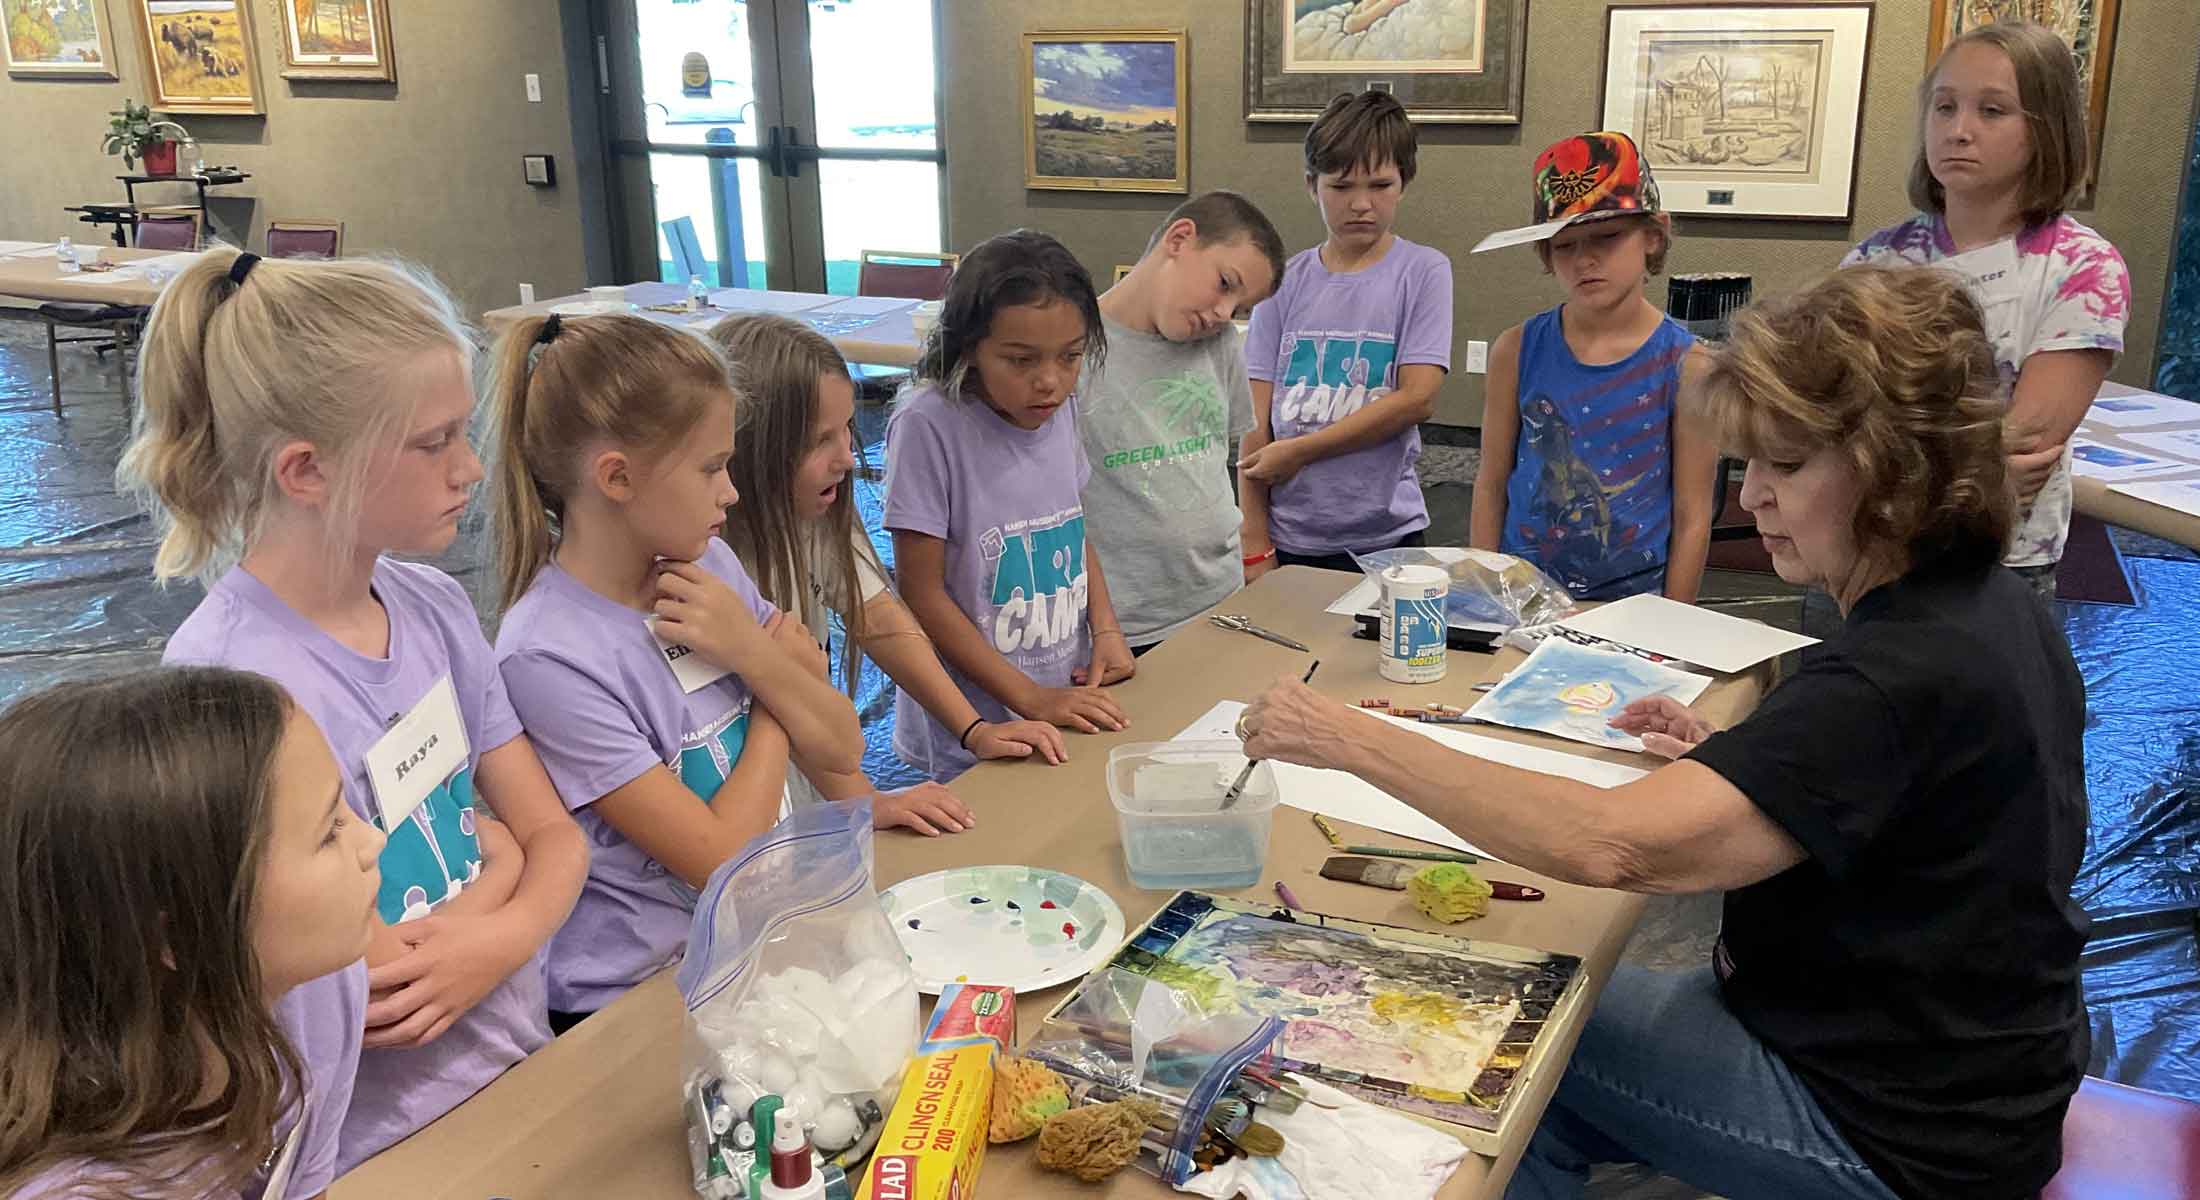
(1263, 556)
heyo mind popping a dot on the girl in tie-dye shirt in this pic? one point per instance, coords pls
(2002, 151)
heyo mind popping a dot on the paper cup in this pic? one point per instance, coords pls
(924, 316)
(1410, 643)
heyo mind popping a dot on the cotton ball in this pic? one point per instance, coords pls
(837, 1126)
(806, 1094)
(740, 1093)
(776, 1072)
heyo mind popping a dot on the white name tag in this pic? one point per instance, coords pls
(417, 754)
(1992, 271)
(694, 671)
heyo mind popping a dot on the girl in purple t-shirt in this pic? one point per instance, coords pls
(666, 694)
(214, 803)
(308, 418)
(984, 474)
(797, 529)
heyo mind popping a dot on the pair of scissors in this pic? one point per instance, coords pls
(1242, 625)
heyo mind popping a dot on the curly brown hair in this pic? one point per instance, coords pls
(1894, 368)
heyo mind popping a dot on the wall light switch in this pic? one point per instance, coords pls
(534, 88)
(1478, 358)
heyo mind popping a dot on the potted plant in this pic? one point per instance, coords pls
(134, 134)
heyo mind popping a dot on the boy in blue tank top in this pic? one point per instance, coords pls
(1589, 469)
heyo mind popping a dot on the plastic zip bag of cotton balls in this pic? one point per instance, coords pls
(833, 1046)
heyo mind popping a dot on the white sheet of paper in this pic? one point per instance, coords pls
(1349, 798)
(2170, 443)
(10, 249)
(747, 301)
(2113, 464)
(2128, 407)
(863, 306)
(1684, 631)
(2182, 496)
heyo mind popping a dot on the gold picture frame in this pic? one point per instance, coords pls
(201, 56)
(338, 39)
(40, 43)
(1112, 116)
(2087, 26)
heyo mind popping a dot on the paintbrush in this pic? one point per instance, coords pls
(1230, 798)
(1420, 855)
(1394, 875)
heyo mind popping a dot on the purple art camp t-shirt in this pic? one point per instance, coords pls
(1007, 503)
(602, 707)
(1331, 345)
(354, 699)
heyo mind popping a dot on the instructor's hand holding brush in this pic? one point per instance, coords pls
(1230, 798)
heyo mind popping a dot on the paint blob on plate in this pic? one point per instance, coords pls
(968, 923)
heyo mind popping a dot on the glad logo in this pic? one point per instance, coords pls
(891, 1175)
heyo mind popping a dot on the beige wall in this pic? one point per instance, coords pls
(1473, 179)
(428, 167)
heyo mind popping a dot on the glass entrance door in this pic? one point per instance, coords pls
(768, 143)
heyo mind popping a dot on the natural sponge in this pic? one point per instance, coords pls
(1449, 892)
(1096, 1141)
(1025, 1094)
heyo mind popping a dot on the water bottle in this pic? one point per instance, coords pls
(698, 294)
(65, 257)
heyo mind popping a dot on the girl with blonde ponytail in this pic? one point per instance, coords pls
(299, 422)
(666, 694)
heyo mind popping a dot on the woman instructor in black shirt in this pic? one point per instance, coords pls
(1893, 1006)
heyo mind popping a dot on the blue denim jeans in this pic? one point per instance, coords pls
(1666, 1076)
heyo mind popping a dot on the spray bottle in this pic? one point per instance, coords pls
(793, 1175)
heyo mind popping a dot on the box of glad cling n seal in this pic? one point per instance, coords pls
(934, 1140)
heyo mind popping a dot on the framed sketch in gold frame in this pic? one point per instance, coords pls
(338, 39)
(1104, 110)
(2089, 26)
(199, 56)
(57, 39)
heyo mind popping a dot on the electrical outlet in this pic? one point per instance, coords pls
(534, 88)
(1478, 358)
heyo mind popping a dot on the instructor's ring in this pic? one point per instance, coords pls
(1242, 734)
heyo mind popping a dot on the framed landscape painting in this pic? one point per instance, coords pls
(338, 39)
(2089, 26)
(199, 56)
(58, 39)
(1447, 61)
(1104, 110)
(1741, 110)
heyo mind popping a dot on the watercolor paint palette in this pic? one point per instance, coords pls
(1021, 927)
(1426, 1023)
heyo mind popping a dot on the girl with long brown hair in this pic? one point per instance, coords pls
(797, 530)
(158, 898)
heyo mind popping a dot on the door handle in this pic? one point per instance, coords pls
(793, 152)
(774, 151)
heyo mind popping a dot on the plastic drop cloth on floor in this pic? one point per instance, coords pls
(77, 598)
(2141, 877)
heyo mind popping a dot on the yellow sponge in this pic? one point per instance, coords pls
(1025, 1094)
(1449, 892)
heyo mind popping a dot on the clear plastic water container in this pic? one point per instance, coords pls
(1169, 809)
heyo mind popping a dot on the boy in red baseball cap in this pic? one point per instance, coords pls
(1588, 468)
